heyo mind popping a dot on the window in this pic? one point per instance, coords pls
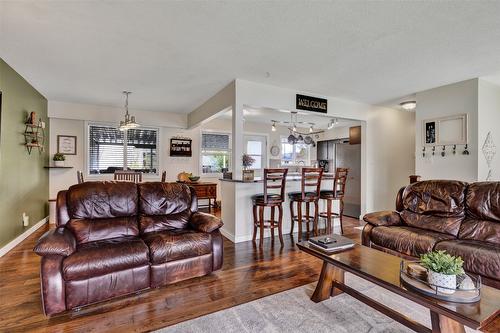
(255, 146)
(215, 152)
(294, 154)
(111, 150)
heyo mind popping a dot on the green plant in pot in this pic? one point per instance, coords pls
(247, 161)
(442, 270)
(59, 159)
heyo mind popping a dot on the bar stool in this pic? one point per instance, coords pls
(337, 193)
(272, 200)
(311, 177)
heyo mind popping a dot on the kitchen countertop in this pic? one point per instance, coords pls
(289, 178)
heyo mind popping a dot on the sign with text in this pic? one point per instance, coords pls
(310, 103)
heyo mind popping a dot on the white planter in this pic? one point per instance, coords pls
(442, 280)
(59, 163)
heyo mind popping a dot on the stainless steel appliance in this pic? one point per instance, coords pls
(340, 154)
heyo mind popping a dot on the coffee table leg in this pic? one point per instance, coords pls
(443, 324)
(324, 288)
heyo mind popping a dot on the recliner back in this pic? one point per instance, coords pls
(483, 213)
(165, 206)
(436, 205)
(102, 210)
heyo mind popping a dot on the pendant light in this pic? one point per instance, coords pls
(129, 121)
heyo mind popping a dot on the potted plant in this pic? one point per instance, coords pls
(442, 270)
(59, 159)
(247, 161)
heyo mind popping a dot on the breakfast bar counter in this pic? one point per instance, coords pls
(236, 207)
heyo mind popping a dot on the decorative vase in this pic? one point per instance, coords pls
(437, 280)
(59, 163)
(248, 175)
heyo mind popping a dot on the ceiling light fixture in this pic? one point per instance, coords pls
(129, 121)
(409, 105)
(273, 127)
(311, 129)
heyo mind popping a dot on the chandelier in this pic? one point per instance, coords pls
(129, 121)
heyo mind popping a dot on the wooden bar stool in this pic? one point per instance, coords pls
(337, 193)
(311, 177)
(273, 179)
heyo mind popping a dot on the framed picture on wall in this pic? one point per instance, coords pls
(180, 147)
(450, 130)
(66, 144)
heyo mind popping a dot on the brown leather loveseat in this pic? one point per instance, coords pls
(117, 238)
(461, 218)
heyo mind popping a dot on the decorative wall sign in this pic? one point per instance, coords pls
(181, 147)
(310, 103)
(445, 131)
(66, 144)
(489, 151)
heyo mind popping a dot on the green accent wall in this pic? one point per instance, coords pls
(24, 183)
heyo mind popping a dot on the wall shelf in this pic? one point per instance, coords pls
(34, 137)
(57, 167)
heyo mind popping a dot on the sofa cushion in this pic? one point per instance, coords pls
(171, 245)
(408, 240)
(156, 223)
(435, 205)
(98, 200)
(103, 257)
(483, 201)
(90, 230)
(481, 230)
(479, 257)
(165, 206)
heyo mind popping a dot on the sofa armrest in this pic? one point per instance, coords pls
(205, 222)
(59, 241)
(383, 218)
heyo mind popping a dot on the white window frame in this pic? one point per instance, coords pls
(294, 158)
(200, 164)
(114, 125)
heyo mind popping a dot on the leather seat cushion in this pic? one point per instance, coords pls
(101, 200)
(328, 194)
(479, 257)
(171, 245)
(271, 197)
(86, 230)
(408, 240)
(105, 256)
(297, 196)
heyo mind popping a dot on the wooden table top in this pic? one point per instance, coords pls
(383, 269)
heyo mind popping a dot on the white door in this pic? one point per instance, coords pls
(256, 147)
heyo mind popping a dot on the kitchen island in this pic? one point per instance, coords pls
(237, 205)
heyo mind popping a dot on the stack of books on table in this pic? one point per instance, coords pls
(331, 243)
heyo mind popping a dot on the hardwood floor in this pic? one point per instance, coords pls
(248, 273)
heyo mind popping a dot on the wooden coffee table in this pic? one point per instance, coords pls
(382, 269)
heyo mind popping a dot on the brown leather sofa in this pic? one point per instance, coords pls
(461, 218)
(118, 238)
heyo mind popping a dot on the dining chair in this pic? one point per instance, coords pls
(79, 177)
(129, 176)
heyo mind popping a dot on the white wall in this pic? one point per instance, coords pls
(489, 121)
(452, 99)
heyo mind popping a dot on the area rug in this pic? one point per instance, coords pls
(293, 311)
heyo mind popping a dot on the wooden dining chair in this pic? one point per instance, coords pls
(335, 194)
(163, 176)
(79, 177)
(128, 176)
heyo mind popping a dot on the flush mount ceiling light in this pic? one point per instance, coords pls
(409, 105)
(129, 121)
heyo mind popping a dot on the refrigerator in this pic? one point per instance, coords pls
(340, 154)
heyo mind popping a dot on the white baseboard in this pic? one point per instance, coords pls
(9, 246)
(227, 234)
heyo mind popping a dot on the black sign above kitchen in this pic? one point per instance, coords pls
(310, 103)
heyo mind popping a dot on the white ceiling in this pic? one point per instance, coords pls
(176, 55)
